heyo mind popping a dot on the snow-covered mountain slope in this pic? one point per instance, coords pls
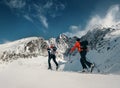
(29, 73)
(24, 48)
(105, 45)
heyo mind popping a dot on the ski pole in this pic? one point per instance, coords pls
(69, 58)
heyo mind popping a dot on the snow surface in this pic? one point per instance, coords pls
(33, 73)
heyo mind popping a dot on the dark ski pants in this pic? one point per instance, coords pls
(54, 59)
(83, 60)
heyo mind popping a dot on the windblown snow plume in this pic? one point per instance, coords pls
(111, 18)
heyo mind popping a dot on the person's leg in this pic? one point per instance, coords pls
(89, 64)
(49, 64)
(85, 61)
(82, 60)
(54, 59)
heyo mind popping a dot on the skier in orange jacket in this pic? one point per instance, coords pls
(82, 49)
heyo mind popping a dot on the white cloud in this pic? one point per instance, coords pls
(62, 6)
(111, 18)
(74, 28)
(36, 11)
(43, 20)
(28, 18)
(75, 31)
(16, 3)
(53, 8)
(48, 5)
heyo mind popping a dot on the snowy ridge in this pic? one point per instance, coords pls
(23, 48)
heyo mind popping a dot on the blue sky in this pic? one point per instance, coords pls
(47, 18)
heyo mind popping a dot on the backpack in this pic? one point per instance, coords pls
(54, 48)
(84, 44)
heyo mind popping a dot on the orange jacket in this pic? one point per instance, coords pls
(76, 45)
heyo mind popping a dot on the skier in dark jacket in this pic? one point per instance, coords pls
(51, 55)
(82, 49)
